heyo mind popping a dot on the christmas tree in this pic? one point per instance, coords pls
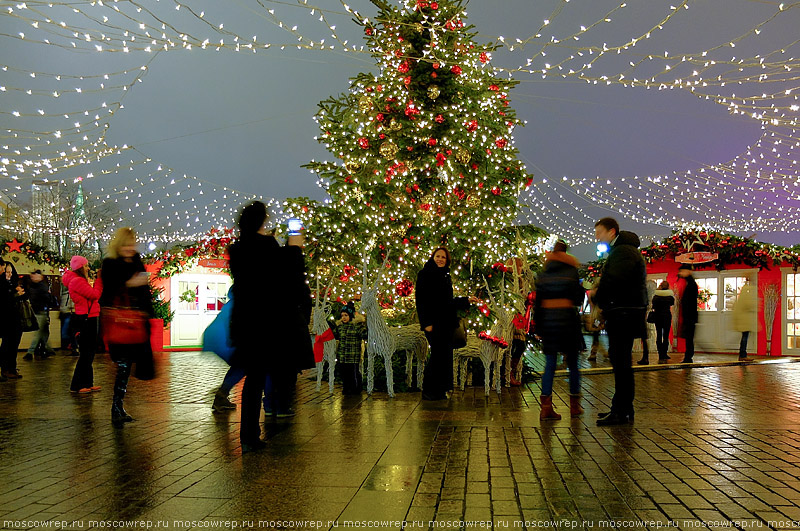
(426, 156)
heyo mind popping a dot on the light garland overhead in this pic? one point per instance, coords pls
(62, 126)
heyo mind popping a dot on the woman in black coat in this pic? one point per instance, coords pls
(269, 320)
(436, 309)
(125, 283)
(11, 293)
(663, 300)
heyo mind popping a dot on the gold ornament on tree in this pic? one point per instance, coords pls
(352, 166)
(365, 104)
(388, 149)
(394, 125)
(433, 92)
(463, 155)
(473, 201)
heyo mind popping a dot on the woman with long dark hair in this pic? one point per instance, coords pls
(87, 310)
(436, 309)
(11, 293)
(125, 283)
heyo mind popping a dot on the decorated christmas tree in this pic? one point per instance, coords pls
(425, 156)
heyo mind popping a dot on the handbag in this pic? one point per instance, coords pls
(651, 317)
(124, 326)
(460, 334)
(27, 316)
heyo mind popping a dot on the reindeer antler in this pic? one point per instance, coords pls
(383, 266)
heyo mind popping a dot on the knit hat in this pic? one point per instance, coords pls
(77, 262)
(350, 309)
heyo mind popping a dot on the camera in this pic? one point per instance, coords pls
(295, 227)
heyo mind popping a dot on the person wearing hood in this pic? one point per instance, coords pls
(558, 295)
(744, 317)
(622, 295)
(663, 300)
(689, 315)
(436, 309)
(87, 310)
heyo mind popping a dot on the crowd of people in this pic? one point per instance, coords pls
(270, 292)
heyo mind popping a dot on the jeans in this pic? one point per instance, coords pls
(43, 334)
(235, 375)
(743, 344)
(550, 371)
(66, 335)
(662, 338)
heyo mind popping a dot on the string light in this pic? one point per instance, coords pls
(756, 190)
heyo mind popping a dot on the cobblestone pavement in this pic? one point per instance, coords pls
(714, 444)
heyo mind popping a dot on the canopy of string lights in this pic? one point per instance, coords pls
(670, 115)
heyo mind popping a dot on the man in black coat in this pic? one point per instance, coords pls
(688, 311)
(622, 295)
(42, 302)
(269, 320)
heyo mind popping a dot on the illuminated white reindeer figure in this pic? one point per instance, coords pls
(490, 354)
(322, 308)
(385, 341)
(523, 282)
(380, 340)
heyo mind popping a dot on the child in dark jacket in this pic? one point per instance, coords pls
(349, 332)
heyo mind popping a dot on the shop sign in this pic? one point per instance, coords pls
(696, 258)
(218, 263)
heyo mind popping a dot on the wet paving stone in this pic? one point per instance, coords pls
(709, 444)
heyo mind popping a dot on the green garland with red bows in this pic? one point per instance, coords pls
(35, 251)
(731, 250)
(183, 258)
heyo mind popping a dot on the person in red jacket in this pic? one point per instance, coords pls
(87, 310)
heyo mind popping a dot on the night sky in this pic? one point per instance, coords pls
(244, 120)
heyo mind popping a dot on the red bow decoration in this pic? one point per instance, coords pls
(494, 339)
(319, 344)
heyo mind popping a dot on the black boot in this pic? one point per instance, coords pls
(118, 414)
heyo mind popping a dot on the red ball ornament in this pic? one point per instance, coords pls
(431, 141)
(456, 70)
(501, 142)
(404, 67)
(472, 125)
(404, 288)
(484, 57)
(363, 143)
